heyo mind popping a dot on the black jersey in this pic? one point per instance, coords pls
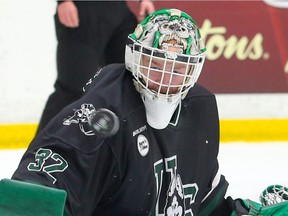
(138, 171)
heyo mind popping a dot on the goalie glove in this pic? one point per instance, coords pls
(274, 201)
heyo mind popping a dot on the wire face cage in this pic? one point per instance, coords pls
(165, 73)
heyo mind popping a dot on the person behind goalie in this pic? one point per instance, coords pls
(163, 158)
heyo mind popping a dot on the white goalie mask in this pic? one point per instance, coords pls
(165, 55)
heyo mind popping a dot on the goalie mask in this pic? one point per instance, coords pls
(165, 55)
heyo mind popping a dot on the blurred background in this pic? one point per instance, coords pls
(246, 67)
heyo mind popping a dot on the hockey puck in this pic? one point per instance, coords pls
(104, 123)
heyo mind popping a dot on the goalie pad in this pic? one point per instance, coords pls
(256, 209)
(23, 198)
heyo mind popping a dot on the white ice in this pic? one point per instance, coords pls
(248, 167)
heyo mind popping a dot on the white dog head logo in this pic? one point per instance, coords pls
(81, 117)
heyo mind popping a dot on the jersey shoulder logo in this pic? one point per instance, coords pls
(82, 117)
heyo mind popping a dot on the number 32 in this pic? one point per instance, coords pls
(40, 158)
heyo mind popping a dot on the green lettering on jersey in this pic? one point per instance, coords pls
(175, 201)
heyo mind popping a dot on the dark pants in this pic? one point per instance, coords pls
(99, 40)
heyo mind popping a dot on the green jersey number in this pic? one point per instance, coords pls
(41, 157)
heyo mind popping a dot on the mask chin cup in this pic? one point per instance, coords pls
(159, 111)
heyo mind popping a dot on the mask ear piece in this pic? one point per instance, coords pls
(202, 45)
